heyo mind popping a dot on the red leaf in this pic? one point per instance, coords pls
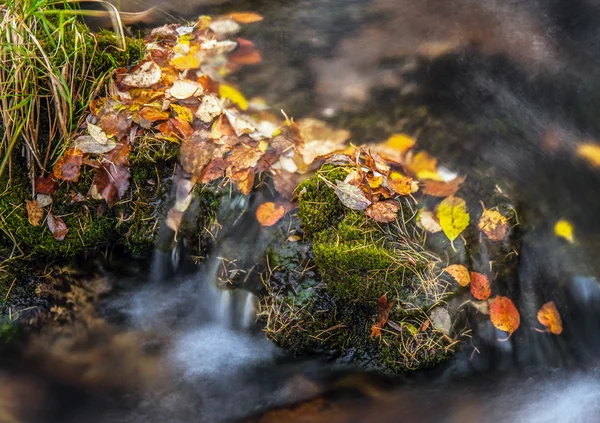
(45, 185)
(480, 286)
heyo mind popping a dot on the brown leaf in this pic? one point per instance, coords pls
(45, 185)
(152, 114)
(460, 274)
(383, 211)
(244, 180)
(493, 224)
(480, 286)
(35, 213)
(441, 188)
(548, 316)
(57, 227)
(504, 315)
(214, 170)
(269, 213)
(383, 307)
(68, 167)
(183, 128)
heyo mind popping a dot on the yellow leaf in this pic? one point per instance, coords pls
(236, 97)
(453, 216)
(425, 166)
(589, 152)
(189, 61)
(460, 274)
(493, 224)
(183, 112)
(564, 229)
(400, 142)
(548, 316)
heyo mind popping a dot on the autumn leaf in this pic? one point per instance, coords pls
(442, 188)
(395, 147)
(182, 126)
(182, 89)
(68, 166)
(453, 216)
(564, 229)
(209, 109)
(245, 54)
(187, 61)
(383, 211)
(589, 152)
(383, 307)
(424, 166)
(97, 133)
(548, 316)
(89, 145)
(350, 196)
(243, 180)
(504, 315)
(35, 213)
(400, 184)
(269, 213)
(480, 286)
(232, 94)
(460, 274)
(244, 17)
(57, 227)
(144, 75)
(183, 112)
(429, 222)
(493, 224)
(45, 185)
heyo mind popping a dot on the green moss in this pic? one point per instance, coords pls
(318, 205)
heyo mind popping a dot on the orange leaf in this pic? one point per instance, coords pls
(244, 180)
(244, 17)
(460, 274)
(504, 315)
(246, 53)
(441, 188)
(384, 307)
(400, 184)
(269, 213)
(548, 316)
(480, 286)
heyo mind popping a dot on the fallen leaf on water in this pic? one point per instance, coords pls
(68, 167)
(493, 224)
(232, 94)
(453, 217)
(548, 316)
(589, 152)
(429, 222)
(57, 227)
(182, 89)
(441, 188)
(460, 274)
(564, 229)
(244, 17)
(383, 308)
(480, 286)
(269, 213)
(424, 166)
(395, 146)
(504, 315)
(35, 213)
(350, 196)
(245, 54)
(144, 76)
(244, 180)
(383, 211)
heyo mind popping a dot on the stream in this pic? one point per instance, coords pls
(516, 85)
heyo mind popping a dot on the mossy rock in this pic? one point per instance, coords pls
(353, 261)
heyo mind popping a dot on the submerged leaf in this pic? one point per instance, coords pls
(504, 315)
(460, 274)
(269, 213)
(493, 224)
(442, 188)
(453, 216)
(480, 286)
(548, 316)
(564, 229)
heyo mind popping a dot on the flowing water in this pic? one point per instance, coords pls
(518, 82)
